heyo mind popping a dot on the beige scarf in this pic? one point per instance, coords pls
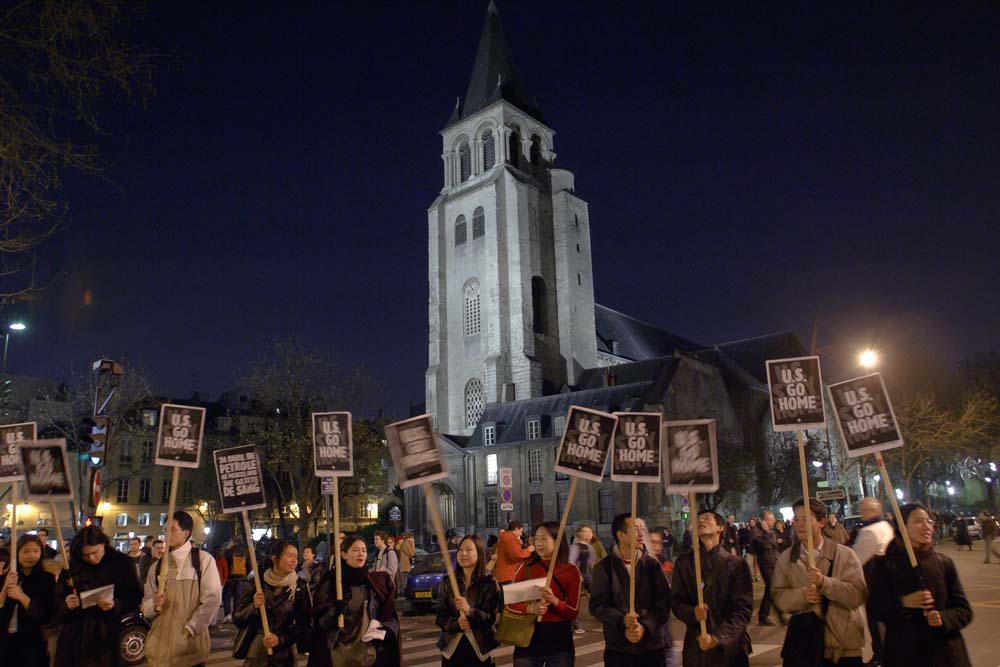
(277, 581)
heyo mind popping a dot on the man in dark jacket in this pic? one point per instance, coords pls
(730, 535)
(728, 596)
(630, 639)
(765, 547)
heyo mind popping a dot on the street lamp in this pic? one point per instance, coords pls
(868, 358)
(817, 464)
(13, 326)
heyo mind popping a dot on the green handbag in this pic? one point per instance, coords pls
(515, 629)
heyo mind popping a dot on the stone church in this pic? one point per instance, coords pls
(515, 336)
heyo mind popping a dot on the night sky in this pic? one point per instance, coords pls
(747, 168)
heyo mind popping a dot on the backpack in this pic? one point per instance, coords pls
(239, 568)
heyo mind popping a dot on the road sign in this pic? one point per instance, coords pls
(506, 477)
(685, 501)
(833, 494)
(506, 489)
(394, 514)
(831, 476)
(326, 485)
(506, 496)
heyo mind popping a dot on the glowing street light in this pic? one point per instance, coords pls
(13, 326)
(868, 358)
(817, 464)
(878, 478)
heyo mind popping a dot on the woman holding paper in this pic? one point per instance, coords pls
(924, 609)
(552, 641)
(467, 637)
(26, 601)
(106, 589)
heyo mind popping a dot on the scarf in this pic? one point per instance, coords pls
(353, 576)
(276, 580)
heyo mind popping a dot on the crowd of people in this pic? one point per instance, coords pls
(857, 594)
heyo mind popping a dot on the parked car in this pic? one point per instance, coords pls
(425, 578)
(973, 526)
(132, 638)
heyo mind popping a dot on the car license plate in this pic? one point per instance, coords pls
(422, 594)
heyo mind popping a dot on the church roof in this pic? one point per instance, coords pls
(493, 75)
(636, 339)
(752, 353)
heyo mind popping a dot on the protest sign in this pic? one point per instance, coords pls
(11, 436)
(414, 450)
(333, 449)
(241, 481)
(46, 470)
(691, 455)
(178, 440)
(586, 441)
(864, 416)
(635, 456)
(796, 387)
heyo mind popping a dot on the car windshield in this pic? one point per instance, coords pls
(430, 563)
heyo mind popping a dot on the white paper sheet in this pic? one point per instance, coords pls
(523, 591)
(90, 598)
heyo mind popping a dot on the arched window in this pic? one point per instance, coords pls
(489, 149)
(475, 402)
(461, 231)
(478, 223)
(536, 150)
(465, 161)
(514, 149)
(539, 305)
(470, 295)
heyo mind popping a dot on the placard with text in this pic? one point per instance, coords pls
(240, 478)
(691, 456)
(415, 455)
(586, 442)
(333, 449)
(865, 419)
(11, 436)
(47, 475)
(178, 440)
(796, 387)
(635, 456)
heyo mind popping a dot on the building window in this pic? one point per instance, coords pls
(578, 247)
(473, 321)
(607, 498)
(579, 279)
(163, 518)
(489, 154)
(561, 476)
(144, 519)
(539, 305)
(535, 465)
(122, 496)
(576, 220)
(474, 402)
(491, 469)
(149, 418)
(145, 485)
(514, 149)
(121, 519)
(464, 161)
(558, 425)
(478, 223)
(489, 435)
(165, 492)
(44, 519)
(186, 495)
(147, 451)
(561, 499)
(461, 231)
(492, 512)
(125, 453)
(533, 429)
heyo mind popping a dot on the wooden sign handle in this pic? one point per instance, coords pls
(13, 523)
(162, 588)
(807, 509)
(635, 551)
(432, 508)
(696, 547)
(561, 532)
(256, 574)
(336, 545)
(62, 547)
(895, 508)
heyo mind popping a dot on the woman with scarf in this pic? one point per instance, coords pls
(370, 635)
(283, 597)
(467, 637)
(27, 599)
(90, 636)
(552, 640)
(924, 609)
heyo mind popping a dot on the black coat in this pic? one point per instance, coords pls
(765, 548)
(485, 602)
(40, 587)
(91, 635)
(286, 618)
(730, 537)
(609, 596)
(728, 593)
(909, 641)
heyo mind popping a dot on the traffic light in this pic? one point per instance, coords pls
(686, 516)
(97, 436)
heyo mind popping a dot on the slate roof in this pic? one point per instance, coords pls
(493, 75)
(752, 353)
(637, 340)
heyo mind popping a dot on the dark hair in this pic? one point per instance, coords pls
(278, 548)
(381, 534)
(719, 520)
(349, 541)
(514, 525)
(41, 529)
(817, 508)
(479, 571)
(552, 528)
(184, 521)
(89, 536)
(658, 531)
(491, 540)
(618, 524)
(908, 509)
(157, 541)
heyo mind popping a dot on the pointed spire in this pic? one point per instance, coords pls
(493, 74)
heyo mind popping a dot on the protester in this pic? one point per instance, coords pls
(765, 547)
(89, 637)
(728, 600)
(582, 554)
(370, 635)
(48, 552)
(988, 529)
(407, 550)
(657, 541)
(599, 549)
(834, 530)
(222, 565)
(830, 594)
(510, 554)
(924, 609)
(631, 639)
(962, 537)
(26, 607)
(147, 547)
(873, 536)
(237, 561)
(308, 563)
(668, 544)
(731, 535)
(157, 549)
(282, 596)
(135, 555)
(181, 616)
(781, 539)
(552, 641)
(748, 553)
(386, 559)
(467, 638)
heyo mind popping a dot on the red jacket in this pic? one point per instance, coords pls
(509, 556)
(566, 584)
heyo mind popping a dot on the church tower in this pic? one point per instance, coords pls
(511, 306)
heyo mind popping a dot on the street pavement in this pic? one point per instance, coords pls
(981, 582)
